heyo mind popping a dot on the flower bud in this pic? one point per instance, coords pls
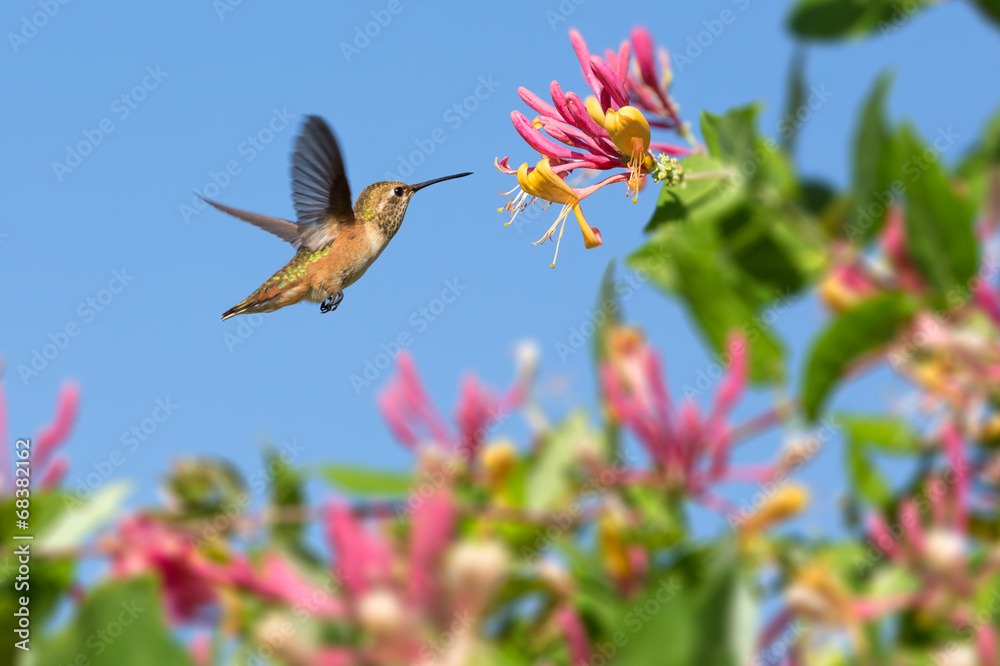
(498, 461)
(786, 502)
(943, 550)
(380, 613)
(474, 571)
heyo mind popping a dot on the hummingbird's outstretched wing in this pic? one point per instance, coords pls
(283, 229)
(320, 191)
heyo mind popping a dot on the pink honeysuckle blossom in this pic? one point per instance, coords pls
(893, 243)
(572, 627)
(939, 548)
(388, 590)
(602, 133)
(690, 452)
(190, 581)
(47, 464)
(275, 580)
(936, 550)
(413, 418)
(367, 561)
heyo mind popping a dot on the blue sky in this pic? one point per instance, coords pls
(200, 96)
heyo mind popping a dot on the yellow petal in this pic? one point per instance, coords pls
(590, 238)
(595, 110)
(544, 183)
(628, 129)
(787, 502)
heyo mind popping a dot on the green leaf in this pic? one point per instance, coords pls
(689, 261)
(838, 19)
(939, 223)
(692, 197)
(990, 9)
(876, 179)
(118, 624)
(75, 525)
(549, 479)
(732, 136)
(845, 339)
(888, 435)
(865, 478)
(709, 621)
(365, 482)
(796, 99)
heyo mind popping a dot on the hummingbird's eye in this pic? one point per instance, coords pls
(398, 191)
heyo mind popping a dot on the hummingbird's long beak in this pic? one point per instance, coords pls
(420, 186)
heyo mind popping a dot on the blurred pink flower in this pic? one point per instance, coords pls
(894, 246)
(690, 452)
(277, 581)
(46, 464)
(413, 418)
(576, 635)
(143, 544)
(366, 561)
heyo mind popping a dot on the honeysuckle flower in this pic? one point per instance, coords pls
(603, 133)
(689, 452)
(190, 580)
(473, 572)
(543, 183)
(413, 418)
(392, 586)
(47, 465)
(845, 286)
(787, 502)
(893, 242)
(938, 550)
(573, 629)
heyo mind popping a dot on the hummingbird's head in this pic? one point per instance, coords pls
(385, 202)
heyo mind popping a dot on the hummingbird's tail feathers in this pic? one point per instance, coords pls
(250, 305)
(283, 229)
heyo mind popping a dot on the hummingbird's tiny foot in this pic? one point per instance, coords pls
(331, 303)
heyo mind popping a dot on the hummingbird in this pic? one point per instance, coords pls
(335, 242)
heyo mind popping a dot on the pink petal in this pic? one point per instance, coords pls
(581, 117)
(909, 515)
(985, 297)
(986, 643)
(623, 60)
(432, 528)
(55, 472)
(535, 139)
(538, 104)
(882, 537)
(53, 435)
(576, 635)
(336, 657)
(642, 46)
(362, 559)
(955, 451)
(732, 387)
(610, 80)
(583, 55)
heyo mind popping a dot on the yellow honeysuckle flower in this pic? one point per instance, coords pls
(787, 502)
(610, 539)
(544, 183)
(498, 461)
(629, 131)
